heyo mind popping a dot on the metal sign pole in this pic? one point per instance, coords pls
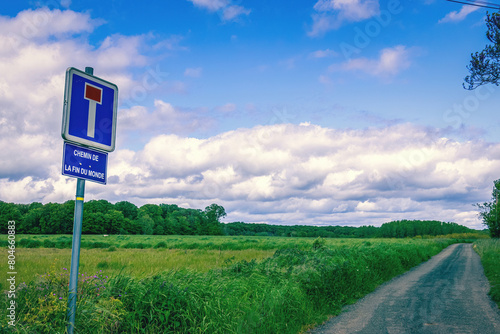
(75, 250)
(75, 254)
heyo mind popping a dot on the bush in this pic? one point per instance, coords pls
(161, 244)
(29, 243)
(103, 265)
(95, 244)
(47, 243)
(318, 243)
(138, 245)
(63, 244)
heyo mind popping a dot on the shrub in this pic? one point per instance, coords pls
(96, 244)
(103, 265)
(161, 244)
(47, 243)
(138, 245)
(63, 244)
(29, 243)
(318, 243)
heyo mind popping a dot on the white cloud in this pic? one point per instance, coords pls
(323, 23)
(32, 84)
(44, 61)
(211, 5)
(391, 62)
(164, 118)
(323, 53)
(65, 3)
(459, 16)
(351, 10)
(232, 12)
(296, 174)
(172, 43)
(366, 206)
(331, 14)
(119, 52)
(288, 174)
(43, 23)
(229, 12)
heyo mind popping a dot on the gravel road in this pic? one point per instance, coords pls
(447, 294)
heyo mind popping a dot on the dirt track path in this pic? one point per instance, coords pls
(447, 294)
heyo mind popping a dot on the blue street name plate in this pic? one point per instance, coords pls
(85, 163)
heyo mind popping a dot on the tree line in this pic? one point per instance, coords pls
(394, 229)
(103, 217)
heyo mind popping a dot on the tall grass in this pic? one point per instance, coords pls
(32, 262)
(283, 293)
(166, 241)
(489, 250)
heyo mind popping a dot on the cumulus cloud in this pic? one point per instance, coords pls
(280, 173)
(307, 172)
(391, 62)
(331, 14)
(232, 12)
(120, 52)
(455, 16)
(298, 174)
(212, 5)
(39, 24)
(32, 82)
(164, 118)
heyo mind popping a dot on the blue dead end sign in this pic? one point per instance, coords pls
(90, 110)
(85, 163)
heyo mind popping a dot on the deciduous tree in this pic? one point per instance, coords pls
(489, 211)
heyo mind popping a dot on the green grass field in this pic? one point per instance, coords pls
(169, 241)
(489, 250)
(135, 262)
(196, 284)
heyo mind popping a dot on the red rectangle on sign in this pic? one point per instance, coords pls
(93, 93)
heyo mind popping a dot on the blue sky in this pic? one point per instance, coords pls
(348, 112)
